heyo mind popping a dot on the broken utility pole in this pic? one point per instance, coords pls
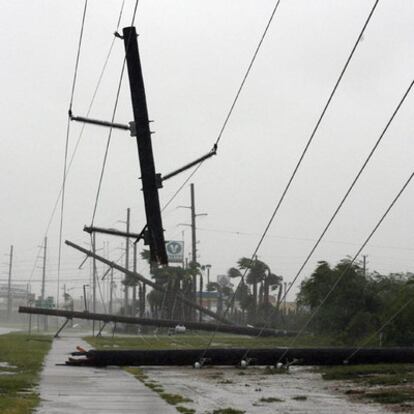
(162, 323)
(243, 357)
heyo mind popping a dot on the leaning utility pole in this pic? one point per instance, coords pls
(151, 182)
(94, 276)
(134, 288)
(126, 299)
(9, 293)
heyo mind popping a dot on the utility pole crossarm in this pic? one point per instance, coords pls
(115, 232)
(189, 165)
(101, 123)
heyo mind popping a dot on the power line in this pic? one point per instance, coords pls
(108, 142)
(350, 264)
(67, 146)
(349, 190)
(302, 156)
(249, 68)
(100, 78)
(232, 106)
(344, 198)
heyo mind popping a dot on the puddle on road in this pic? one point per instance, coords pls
(301, 391)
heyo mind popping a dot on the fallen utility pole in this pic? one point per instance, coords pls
(162, 323)
(148, 282)
(237, 357)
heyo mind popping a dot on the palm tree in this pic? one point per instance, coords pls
(273, 282)
(256, 273)
(224, 288)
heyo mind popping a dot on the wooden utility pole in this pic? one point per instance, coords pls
(151, 182)
(9, 290)
(134, 288)
(42, 292)
(126, 299)
(94, 276)
(193, 227)
(193, 243)
(111, 291)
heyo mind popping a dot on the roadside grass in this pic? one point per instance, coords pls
(23, 355)
(378, 374)
(390, 384)
(228, 410)
(172, 399)
(201, 340)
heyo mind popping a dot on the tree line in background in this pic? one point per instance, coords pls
(362, 305)
(343, 301)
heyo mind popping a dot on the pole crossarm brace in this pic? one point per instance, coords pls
(163, 323)
(191, 164)
(115, 232)
(112, 232)
(142, 279)
(102, 123)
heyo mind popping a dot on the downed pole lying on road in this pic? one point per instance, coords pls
(163, 323)
(243, 357)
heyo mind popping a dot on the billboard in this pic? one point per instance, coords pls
(175, 251)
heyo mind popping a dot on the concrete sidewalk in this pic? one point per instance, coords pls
(84, 390)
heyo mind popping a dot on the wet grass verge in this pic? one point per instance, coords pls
(172, 399)
(22, 357)
(387, 384)
(200, 341)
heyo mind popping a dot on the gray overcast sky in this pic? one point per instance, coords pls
(194, 54)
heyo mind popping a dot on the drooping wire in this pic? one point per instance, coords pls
(108, 142)
(249, 68)
(234, 102)
(100, 77)
(344, 198)
(67, 147)
(350, 264)
(302, 156)
(181, 186)
(75, 73)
